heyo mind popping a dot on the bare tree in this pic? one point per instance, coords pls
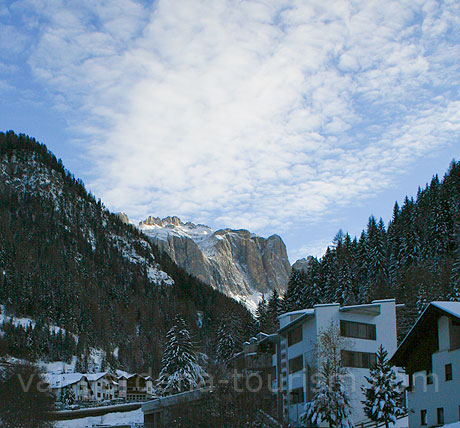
(331, 403)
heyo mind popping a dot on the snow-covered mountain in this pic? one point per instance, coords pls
(239, 263)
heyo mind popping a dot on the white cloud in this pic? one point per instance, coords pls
(250, 113)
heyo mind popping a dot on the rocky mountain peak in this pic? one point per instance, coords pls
(237, 262)
(123, 217)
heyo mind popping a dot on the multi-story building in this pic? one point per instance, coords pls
(75, 382)
(430, 354)
(363, 327)
(257, 362)
(104, 386)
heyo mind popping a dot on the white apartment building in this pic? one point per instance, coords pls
(364, 327)
(430, 354)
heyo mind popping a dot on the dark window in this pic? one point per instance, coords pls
(423, 418)
(364, 360)
(296, 364)
(448, 371)
(358, 330)
(440, 413)
(429, 377)
(296, 396)
(295, 336)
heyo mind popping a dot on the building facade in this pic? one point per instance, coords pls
(75, 382)
(104, 386)
(363, 327)
(430, 354)
(257, 364)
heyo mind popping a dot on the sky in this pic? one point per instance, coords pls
(298, 118)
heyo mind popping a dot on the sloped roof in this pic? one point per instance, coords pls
(64, 380)
(453, 308)
(418, 331)
(96, 376)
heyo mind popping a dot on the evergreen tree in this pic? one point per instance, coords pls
(261, 313)
(383, 403)
(68, 397)
(273, 311)
(331, 403)
(180, 369)
(21, 407)
(227, 340)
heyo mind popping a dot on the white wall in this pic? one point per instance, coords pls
(323, 315)
(441, 393)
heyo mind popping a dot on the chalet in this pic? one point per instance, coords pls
(104, 386)
(77, 383)
(430, 354)
(135, 387)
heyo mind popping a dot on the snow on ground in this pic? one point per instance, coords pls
(58, 367)
(404, 423)
(126, 418)
(25, 322)
(453, 425)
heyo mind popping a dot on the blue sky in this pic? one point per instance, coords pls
(279, 116)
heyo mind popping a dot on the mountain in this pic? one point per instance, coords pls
(236, 262)
(415, 258)
(84, 276)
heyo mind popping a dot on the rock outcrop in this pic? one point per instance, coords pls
(238, 263)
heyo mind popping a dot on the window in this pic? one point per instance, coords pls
(295, 336)
(296, 396)
(429, 377)
(448, 371)
(423, 417)
(296, 364)
(358, 330)
(440, 413)
(364, 360)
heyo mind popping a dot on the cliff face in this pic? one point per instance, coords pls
(236, 262)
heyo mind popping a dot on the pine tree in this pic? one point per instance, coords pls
(226, 345)
(261, 313)
(273, 310)
(180, 369)
(383, 397)
(331, 403)
(68, 396)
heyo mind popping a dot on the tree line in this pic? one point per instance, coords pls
(415, 259)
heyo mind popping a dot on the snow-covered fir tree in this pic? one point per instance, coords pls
(331, 403)
(180, 368)
(383, 402)
(229, 337)
(226, 346)
(68, 396)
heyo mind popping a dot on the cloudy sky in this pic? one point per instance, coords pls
(279, 116)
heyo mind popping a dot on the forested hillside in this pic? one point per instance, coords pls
(415, 259)
(66, 261)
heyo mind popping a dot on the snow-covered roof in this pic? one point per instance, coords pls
(452, 308)
(420, 326)
(63, 380)
(299, 312)
(96, 376)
